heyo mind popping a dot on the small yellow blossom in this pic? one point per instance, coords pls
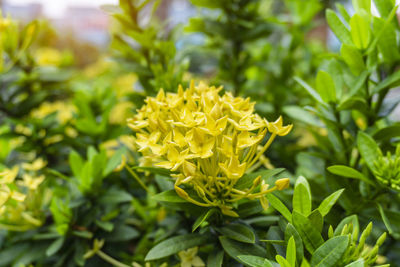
(35, 165)
(47, 56)
(209, 142)
(189, 258)
(64, 110)
(30, 181)
(8, 175)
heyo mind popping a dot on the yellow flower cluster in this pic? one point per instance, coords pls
(209, 142)
(19, 198)
(65, 111)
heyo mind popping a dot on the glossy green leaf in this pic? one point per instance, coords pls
(331, 252)
(349, 172)
(389, 82)
(215, 259)
(362, 5)
(238, 232)
(328, 202)
(302, 197)
(300, 114)
(279, 206)
(310, 90)
(358, 263)
(202, 218)
(316, 220)
(368, 148)
(311, 237)
(326, 87)
(282, 261)
(174, 245)
(255, 261)
(291, 252)
(353, 58)
(55, 246)
(338, 27)
(360, 31)
(292, 232)
(234, 248)
(169, 196)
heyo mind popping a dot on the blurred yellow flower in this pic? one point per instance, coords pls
(209, 142)
(121, 112)
(189, 258)
(46, 56)
(8, 175)
(124, 84)
(35, 165)
(64, 110)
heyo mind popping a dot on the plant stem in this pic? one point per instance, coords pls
(110, 260)
(138, 179)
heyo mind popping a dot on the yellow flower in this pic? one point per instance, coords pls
(47, 56)
(189, 258)
(8, 175)
(31, 182)
(209, 142)
(35, 165)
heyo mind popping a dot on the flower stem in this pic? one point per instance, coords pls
(138, 179)
(110, 260)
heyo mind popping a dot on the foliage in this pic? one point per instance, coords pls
(190, 185)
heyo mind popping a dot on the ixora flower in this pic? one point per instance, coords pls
(208, 141)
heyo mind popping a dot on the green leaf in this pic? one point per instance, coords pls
(310, 90)
(282, 261)
(358, 263)
(292, 232)
(238, 232)
(353, 59)
(76, 163)
(113, 196)
(352, 219)
(106, 226)
(387, 132)
(279, 206)
(120, 233)
(255, 261)
(311, 237)
(215, 259)
(203, 218)
(382, 30)
(368, 148)
(169, 196)
(302, 197)
(348, 172)
(389, 82)
(316, 220)
(362, 5)
(360, 32)
(234, 248)
(387, 43)
(338, 27)
(343, 12)
(300, 114)
(326, 87)
(384, 7)
(331, 252)
(291, 252)
(328, 202)
(114, 161)
(247, 180)
(385, 219)
(175, 244)
(55, 246)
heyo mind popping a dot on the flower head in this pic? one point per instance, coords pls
(209, 141)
